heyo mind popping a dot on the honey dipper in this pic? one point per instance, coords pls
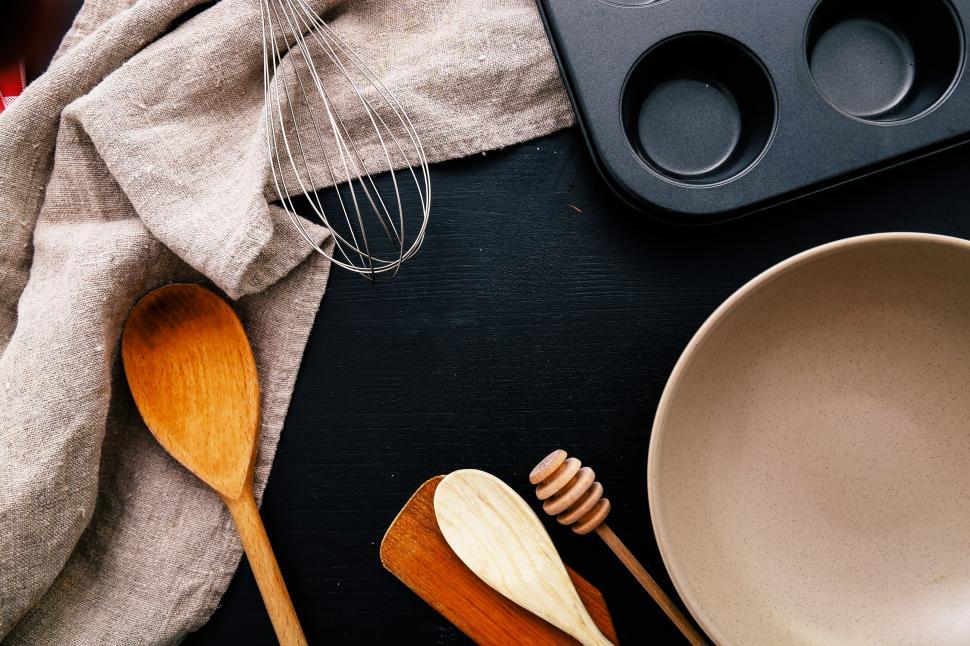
(569, 492)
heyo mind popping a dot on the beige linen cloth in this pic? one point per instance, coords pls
(138, 160)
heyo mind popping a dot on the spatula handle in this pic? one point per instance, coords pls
(266, 570)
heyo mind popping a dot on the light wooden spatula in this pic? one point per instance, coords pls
(193, 377)
(498, 536)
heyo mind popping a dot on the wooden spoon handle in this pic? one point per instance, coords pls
(655, 591)
(266, 570)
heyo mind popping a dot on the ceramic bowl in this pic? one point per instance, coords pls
(809, 468)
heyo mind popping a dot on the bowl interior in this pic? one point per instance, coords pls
(809, 468)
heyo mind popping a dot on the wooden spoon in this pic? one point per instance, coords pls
(193, 377)
(495, 533)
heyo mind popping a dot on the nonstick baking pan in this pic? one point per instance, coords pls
(697, 111)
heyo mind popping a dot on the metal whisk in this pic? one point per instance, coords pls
(326, 108)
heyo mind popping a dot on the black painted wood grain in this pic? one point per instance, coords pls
(521, 326)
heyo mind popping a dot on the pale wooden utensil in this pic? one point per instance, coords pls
(571, 494)
(495, 533)
(414, 550)
(193, 377)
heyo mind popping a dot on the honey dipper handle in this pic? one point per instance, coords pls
(655, 591)
(266, 570)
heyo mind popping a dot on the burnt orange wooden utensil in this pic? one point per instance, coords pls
(415, 551)
(193, 377)
(571, 494)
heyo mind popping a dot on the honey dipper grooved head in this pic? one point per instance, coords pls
(570, 492)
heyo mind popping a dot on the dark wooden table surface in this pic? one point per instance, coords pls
(523, 325)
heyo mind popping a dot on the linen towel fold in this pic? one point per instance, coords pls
(137, 160)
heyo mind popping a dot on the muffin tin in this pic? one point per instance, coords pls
(698, 111)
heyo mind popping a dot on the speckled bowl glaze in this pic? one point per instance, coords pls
(809, 469)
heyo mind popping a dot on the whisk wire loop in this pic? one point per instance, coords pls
(349, 123)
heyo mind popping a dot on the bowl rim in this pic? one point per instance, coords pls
(688, 356)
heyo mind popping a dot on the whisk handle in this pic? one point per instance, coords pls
(252, 533)
(655, 591)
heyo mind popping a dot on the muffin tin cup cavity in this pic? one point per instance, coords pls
(699, 108)
(884, 60)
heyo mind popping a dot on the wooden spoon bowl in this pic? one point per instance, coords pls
(193, 377)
